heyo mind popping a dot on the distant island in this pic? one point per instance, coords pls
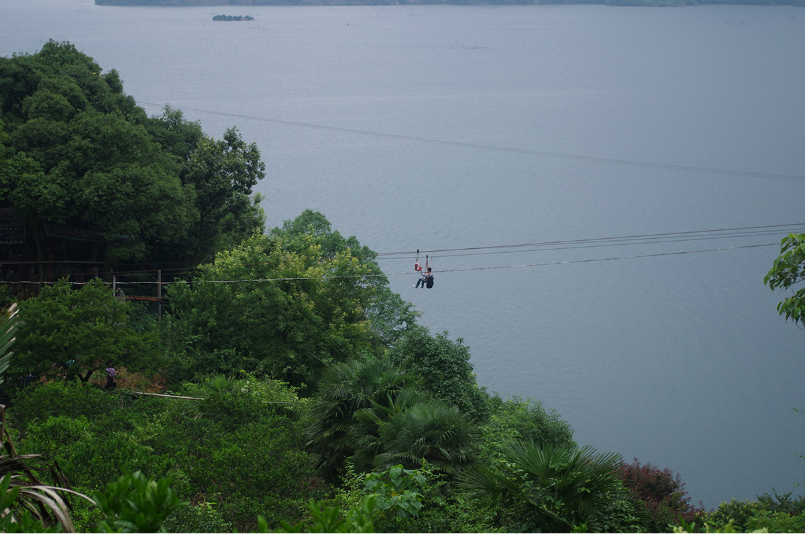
(235, 18)
(647, 3)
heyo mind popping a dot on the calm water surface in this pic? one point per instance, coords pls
(444, 127)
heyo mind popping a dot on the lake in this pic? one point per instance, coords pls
(462, 130)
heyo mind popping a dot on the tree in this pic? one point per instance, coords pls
(222, 175)
(78, 154)
(775, 513)
(88, 327)
(370, 413)
(285, 305)
(271, 307)
(371, 387)
(788, 270)
(515, 420)
(432, 432)
(390, 317)
(555, 489)
(444, 369)
(75, 150)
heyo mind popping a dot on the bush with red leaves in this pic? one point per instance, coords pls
(662, 494)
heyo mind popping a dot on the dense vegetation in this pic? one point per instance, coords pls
(287, 387)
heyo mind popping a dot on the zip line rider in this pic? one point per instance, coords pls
(426, 278)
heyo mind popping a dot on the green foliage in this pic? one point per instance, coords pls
(327, 519)
(26, 523)
(8, 328)
(222, 174)
(135, 503)
(6, 298)
(239, 446)
(388, 315)
(776, 522)
(77, 151)
(443, 510)
(519, 419)
(16, 517)
(393, 491)
(735, 512)
(781, 503)
(299, 301)
(26, 503)
(444, 369)
(430, 431)
(553, 489)
(204, 517)
(776, 513)
(53, 434)
(370, 386)
(367, 411)
(788, 270)
(69, 399)
(88, 326)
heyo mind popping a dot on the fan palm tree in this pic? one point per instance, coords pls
(344, 390)
(550, 489)
(365, 435)
(433, 431)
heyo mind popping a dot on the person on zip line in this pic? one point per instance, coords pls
(426, 277)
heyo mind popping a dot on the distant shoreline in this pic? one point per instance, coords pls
(633, 3)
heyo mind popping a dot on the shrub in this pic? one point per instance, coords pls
(202, 518)
(776, 513)
(661, 493)
(776, 522)
(70, 399)
(519, 419)
(136, 504)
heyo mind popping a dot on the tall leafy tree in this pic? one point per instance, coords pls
(222, 174)
(75, 150)
(285, 305)
(274, 306)
(77, 154)
(390, 317)
(444, 368)
(87, 327)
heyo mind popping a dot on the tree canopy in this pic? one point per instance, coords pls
(75, 150)
(284, 305)
(87, 327)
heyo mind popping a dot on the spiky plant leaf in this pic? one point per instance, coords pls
(8, 325)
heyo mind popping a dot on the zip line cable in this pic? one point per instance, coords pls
(594, 240)
(477, 268)
(553, 248)
(531, 152)
(408, 273)
(640, 239)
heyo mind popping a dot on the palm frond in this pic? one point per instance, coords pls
(8, 325)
